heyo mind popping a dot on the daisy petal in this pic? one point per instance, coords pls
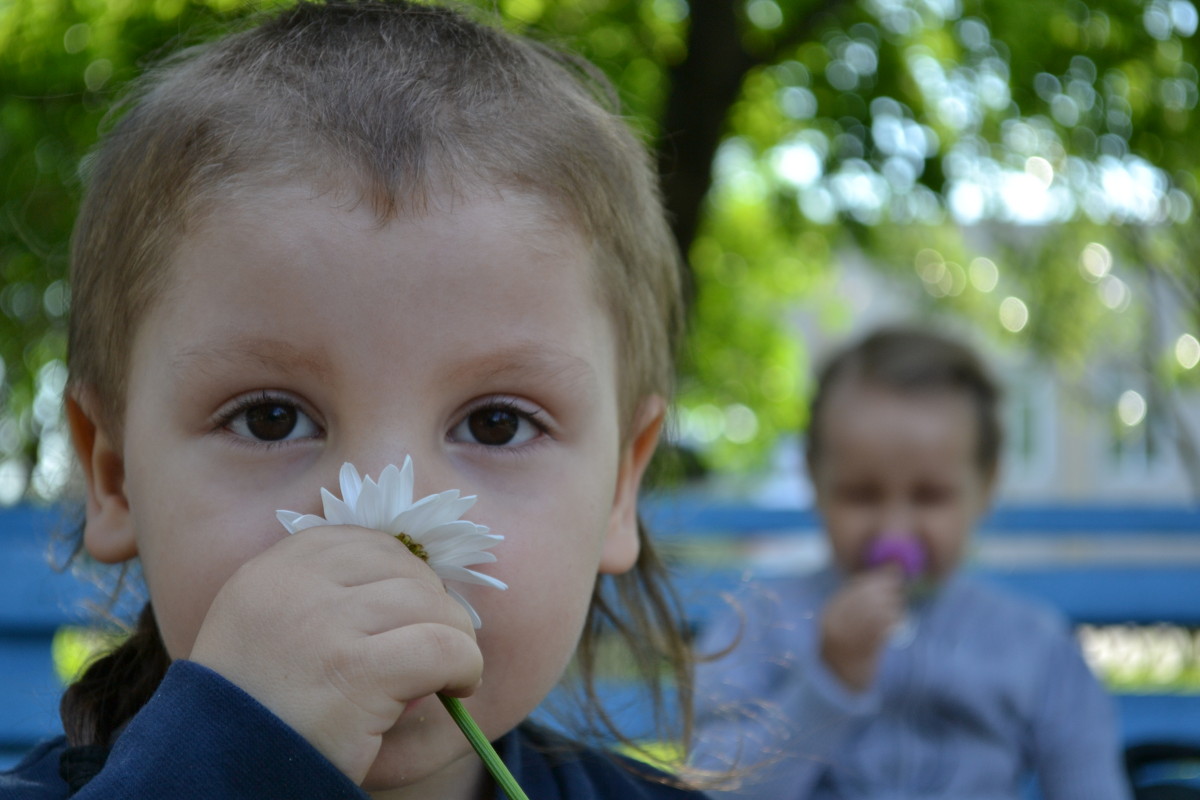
(350, 482)
(405, 489)
(287, 517)
(458, 532)
(371, 507)
(451, 543)
(476, 622)
(337, 512)
(449, 572)
(488, 580)
(301, 522)
(467, 558)
(392, 484)
(428, 513)
(463, 551)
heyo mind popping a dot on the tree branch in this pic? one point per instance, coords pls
(703, 88)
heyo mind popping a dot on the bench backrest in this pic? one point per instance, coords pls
(1097, 565)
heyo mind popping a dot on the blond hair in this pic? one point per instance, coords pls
(398, 102)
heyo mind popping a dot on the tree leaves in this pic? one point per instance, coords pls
(920, 137)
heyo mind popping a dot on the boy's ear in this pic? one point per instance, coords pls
(108, 532)
(621, 543)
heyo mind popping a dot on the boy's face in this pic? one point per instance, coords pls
(899, 463)
(297, 334)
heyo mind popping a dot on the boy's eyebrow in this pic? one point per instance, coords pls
(534, 361)
(270, 353)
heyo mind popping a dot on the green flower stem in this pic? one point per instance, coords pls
(483, 747)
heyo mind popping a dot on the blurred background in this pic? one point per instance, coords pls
(1025, 174)
(1022, 174)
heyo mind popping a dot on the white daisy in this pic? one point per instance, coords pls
(430, 527)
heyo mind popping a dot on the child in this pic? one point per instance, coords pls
(889, 674)
(356, 232)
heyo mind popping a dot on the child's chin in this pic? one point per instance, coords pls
(417, 748)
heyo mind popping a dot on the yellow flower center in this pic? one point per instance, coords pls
(413, 546)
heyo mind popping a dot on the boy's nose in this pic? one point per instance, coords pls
(372, 454)
(897, 519)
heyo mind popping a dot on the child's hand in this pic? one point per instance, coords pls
(335, 630)
(857, 621)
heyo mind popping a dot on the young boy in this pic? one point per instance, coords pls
(354, 233)
(889, 674)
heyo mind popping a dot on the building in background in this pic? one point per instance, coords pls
(1102, 437)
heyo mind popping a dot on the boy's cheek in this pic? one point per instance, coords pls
(847, 538)
(188, 562)
(529, 634)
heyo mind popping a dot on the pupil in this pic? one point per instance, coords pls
(271, 422)
(494, 426)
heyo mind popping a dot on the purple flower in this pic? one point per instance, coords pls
(902, 549)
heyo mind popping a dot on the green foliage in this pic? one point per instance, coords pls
(975, 153)
(922, 135)
(61, 64)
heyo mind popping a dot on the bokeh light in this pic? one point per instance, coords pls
(1095, 261)
(984, 274)
(741, 423)
(1187, 351)
(1114, 293)
(1014, 314)
(1131, 408)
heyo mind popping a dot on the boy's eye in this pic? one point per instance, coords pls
(496, 426)
(858, 494)
(932, 495)
(271, 421)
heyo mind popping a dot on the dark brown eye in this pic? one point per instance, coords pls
(494, 426)
(859, 494)
(500, 423)
(271, 422)
(932, 495)
(259, 417)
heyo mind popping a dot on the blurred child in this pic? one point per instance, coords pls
(356, 232)
(889, 674)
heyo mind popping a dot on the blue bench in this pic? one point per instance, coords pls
(35, 601)
(1095, 588)
(1099, 566)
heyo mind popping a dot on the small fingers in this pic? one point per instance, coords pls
(351, 556)
(391, 603)
(414, 661)
(888, 574)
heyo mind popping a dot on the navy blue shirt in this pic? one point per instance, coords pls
(200, 736)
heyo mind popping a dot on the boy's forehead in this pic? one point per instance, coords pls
(546, 225)
(875, 418)
(294, 244)
(531, 360)
(348, 190)
(250, 351)
(856, 388)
